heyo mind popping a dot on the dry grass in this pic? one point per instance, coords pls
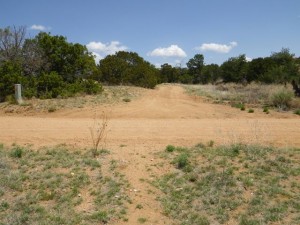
(253, 94)
(110, 95)
(99, 132)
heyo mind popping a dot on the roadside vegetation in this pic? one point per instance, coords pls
(110, 95)
(48, 66)
(238, 184)
(265, 96)
(59, 186)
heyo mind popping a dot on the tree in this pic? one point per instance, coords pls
(234, 69)
(10, 74)
(210, 73)
(128, 68)
(286, 66)
(169, 74)
(11, 42)
(71, 61)
(195, 66)
(34, 61)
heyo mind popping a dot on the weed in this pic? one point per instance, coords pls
(139, 206)
(266, 110)
(52, 109)
(126, 100)
(98, 133)
(142, 220)
(17, 152)
(182, 160)
(297, 112)
(170, 148)
(282, 99)
(251, 111)
(211, 143)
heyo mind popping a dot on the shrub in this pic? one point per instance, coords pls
(251, 111)
(297, 112)
(49, 85)
(182, 160)
(126, 100)
(170, 148)
(282, 99)
(91, 86)
(266, 110)
(16, 152)
(51, 109)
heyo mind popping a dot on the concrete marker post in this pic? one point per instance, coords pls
(18, 93)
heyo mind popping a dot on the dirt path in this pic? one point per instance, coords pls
(140, 128)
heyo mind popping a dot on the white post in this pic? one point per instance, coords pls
(18, 93)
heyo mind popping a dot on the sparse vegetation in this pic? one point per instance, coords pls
(58, 186)
(239, 183)
(255, 95)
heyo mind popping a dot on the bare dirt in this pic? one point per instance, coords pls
(144, 126)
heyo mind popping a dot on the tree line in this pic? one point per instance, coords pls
(48, 66)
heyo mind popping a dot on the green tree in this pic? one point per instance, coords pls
(49, 85)
(71, 61)
(195, 66)
(210, 73)
(286, 66)
(234, 69)
(169, 74)
(10, 74)
(128, 68)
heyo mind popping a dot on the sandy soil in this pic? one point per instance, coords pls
(139, 129)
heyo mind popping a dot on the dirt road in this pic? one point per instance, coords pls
(162, 116)
(142, 127)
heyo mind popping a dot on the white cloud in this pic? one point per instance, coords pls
(39, 27)
(248, 59)
(220, 48)
(171, 51)
(97, 57)
(107, 48)
(100, 50)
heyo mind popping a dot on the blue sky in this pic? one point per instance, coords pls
(165, 31)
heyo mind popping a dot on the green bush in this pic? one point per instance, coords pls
(282, 99)
(16, 152)
(297, 112)
(91, 86)
(182, 160)
(10, 74)
(170, 148)
(266, 110)
(49, 85)
(251, 111)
